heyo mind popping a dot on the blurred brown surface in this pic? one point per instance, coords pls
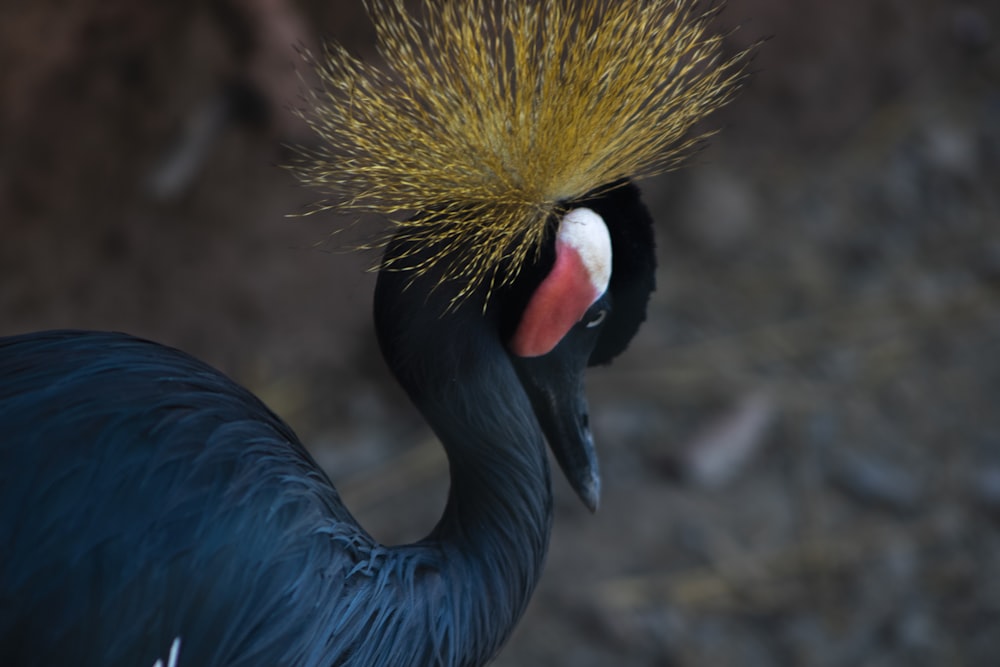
(824, 345)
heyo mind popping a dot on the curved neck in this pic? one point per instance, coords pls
(499, 509)
(494, 533)
(468, 582)
(481, 562)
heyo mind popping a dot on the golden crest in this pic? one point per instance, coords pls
(485, 116)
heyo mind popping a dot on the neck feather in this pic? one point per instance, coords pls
(495, 530)
(491, 541)
(468, 582)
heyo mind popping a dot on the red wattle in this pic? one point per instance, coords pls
(559, 302)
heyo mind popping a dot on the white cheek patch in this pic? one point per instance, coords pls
(579, 276)
(584, 230)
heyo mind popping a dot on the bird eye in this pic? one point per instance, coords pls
(597, 318)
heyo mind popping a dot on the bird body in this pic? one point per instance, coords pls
(149, 474)
(154, 512)
(161, 493)
(146, 497)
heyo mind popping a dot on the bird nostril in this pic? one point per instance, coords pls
(585, 420)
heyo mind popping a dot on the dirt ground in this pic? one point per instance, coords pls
(801, 449)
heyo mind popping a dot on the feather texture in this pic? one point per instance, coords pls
(144, 497)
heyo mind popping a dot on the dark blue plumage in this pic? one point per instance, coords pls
(145, 497)
(138, 484)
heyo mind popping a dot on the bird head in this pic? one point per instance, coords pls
(577, 302)
(587, 298)
(500, 139)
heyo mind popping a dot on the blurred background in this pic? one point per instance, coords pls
(801, 449)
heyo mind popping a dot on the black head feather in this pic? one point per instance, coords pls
(633, 265)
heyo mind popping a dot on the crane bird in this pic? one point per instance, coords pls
(154, 512)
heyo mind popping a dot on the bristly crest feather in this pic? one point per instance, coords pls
(488, 114)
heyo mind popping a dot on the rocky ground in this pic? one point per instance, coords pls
(801, 450)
